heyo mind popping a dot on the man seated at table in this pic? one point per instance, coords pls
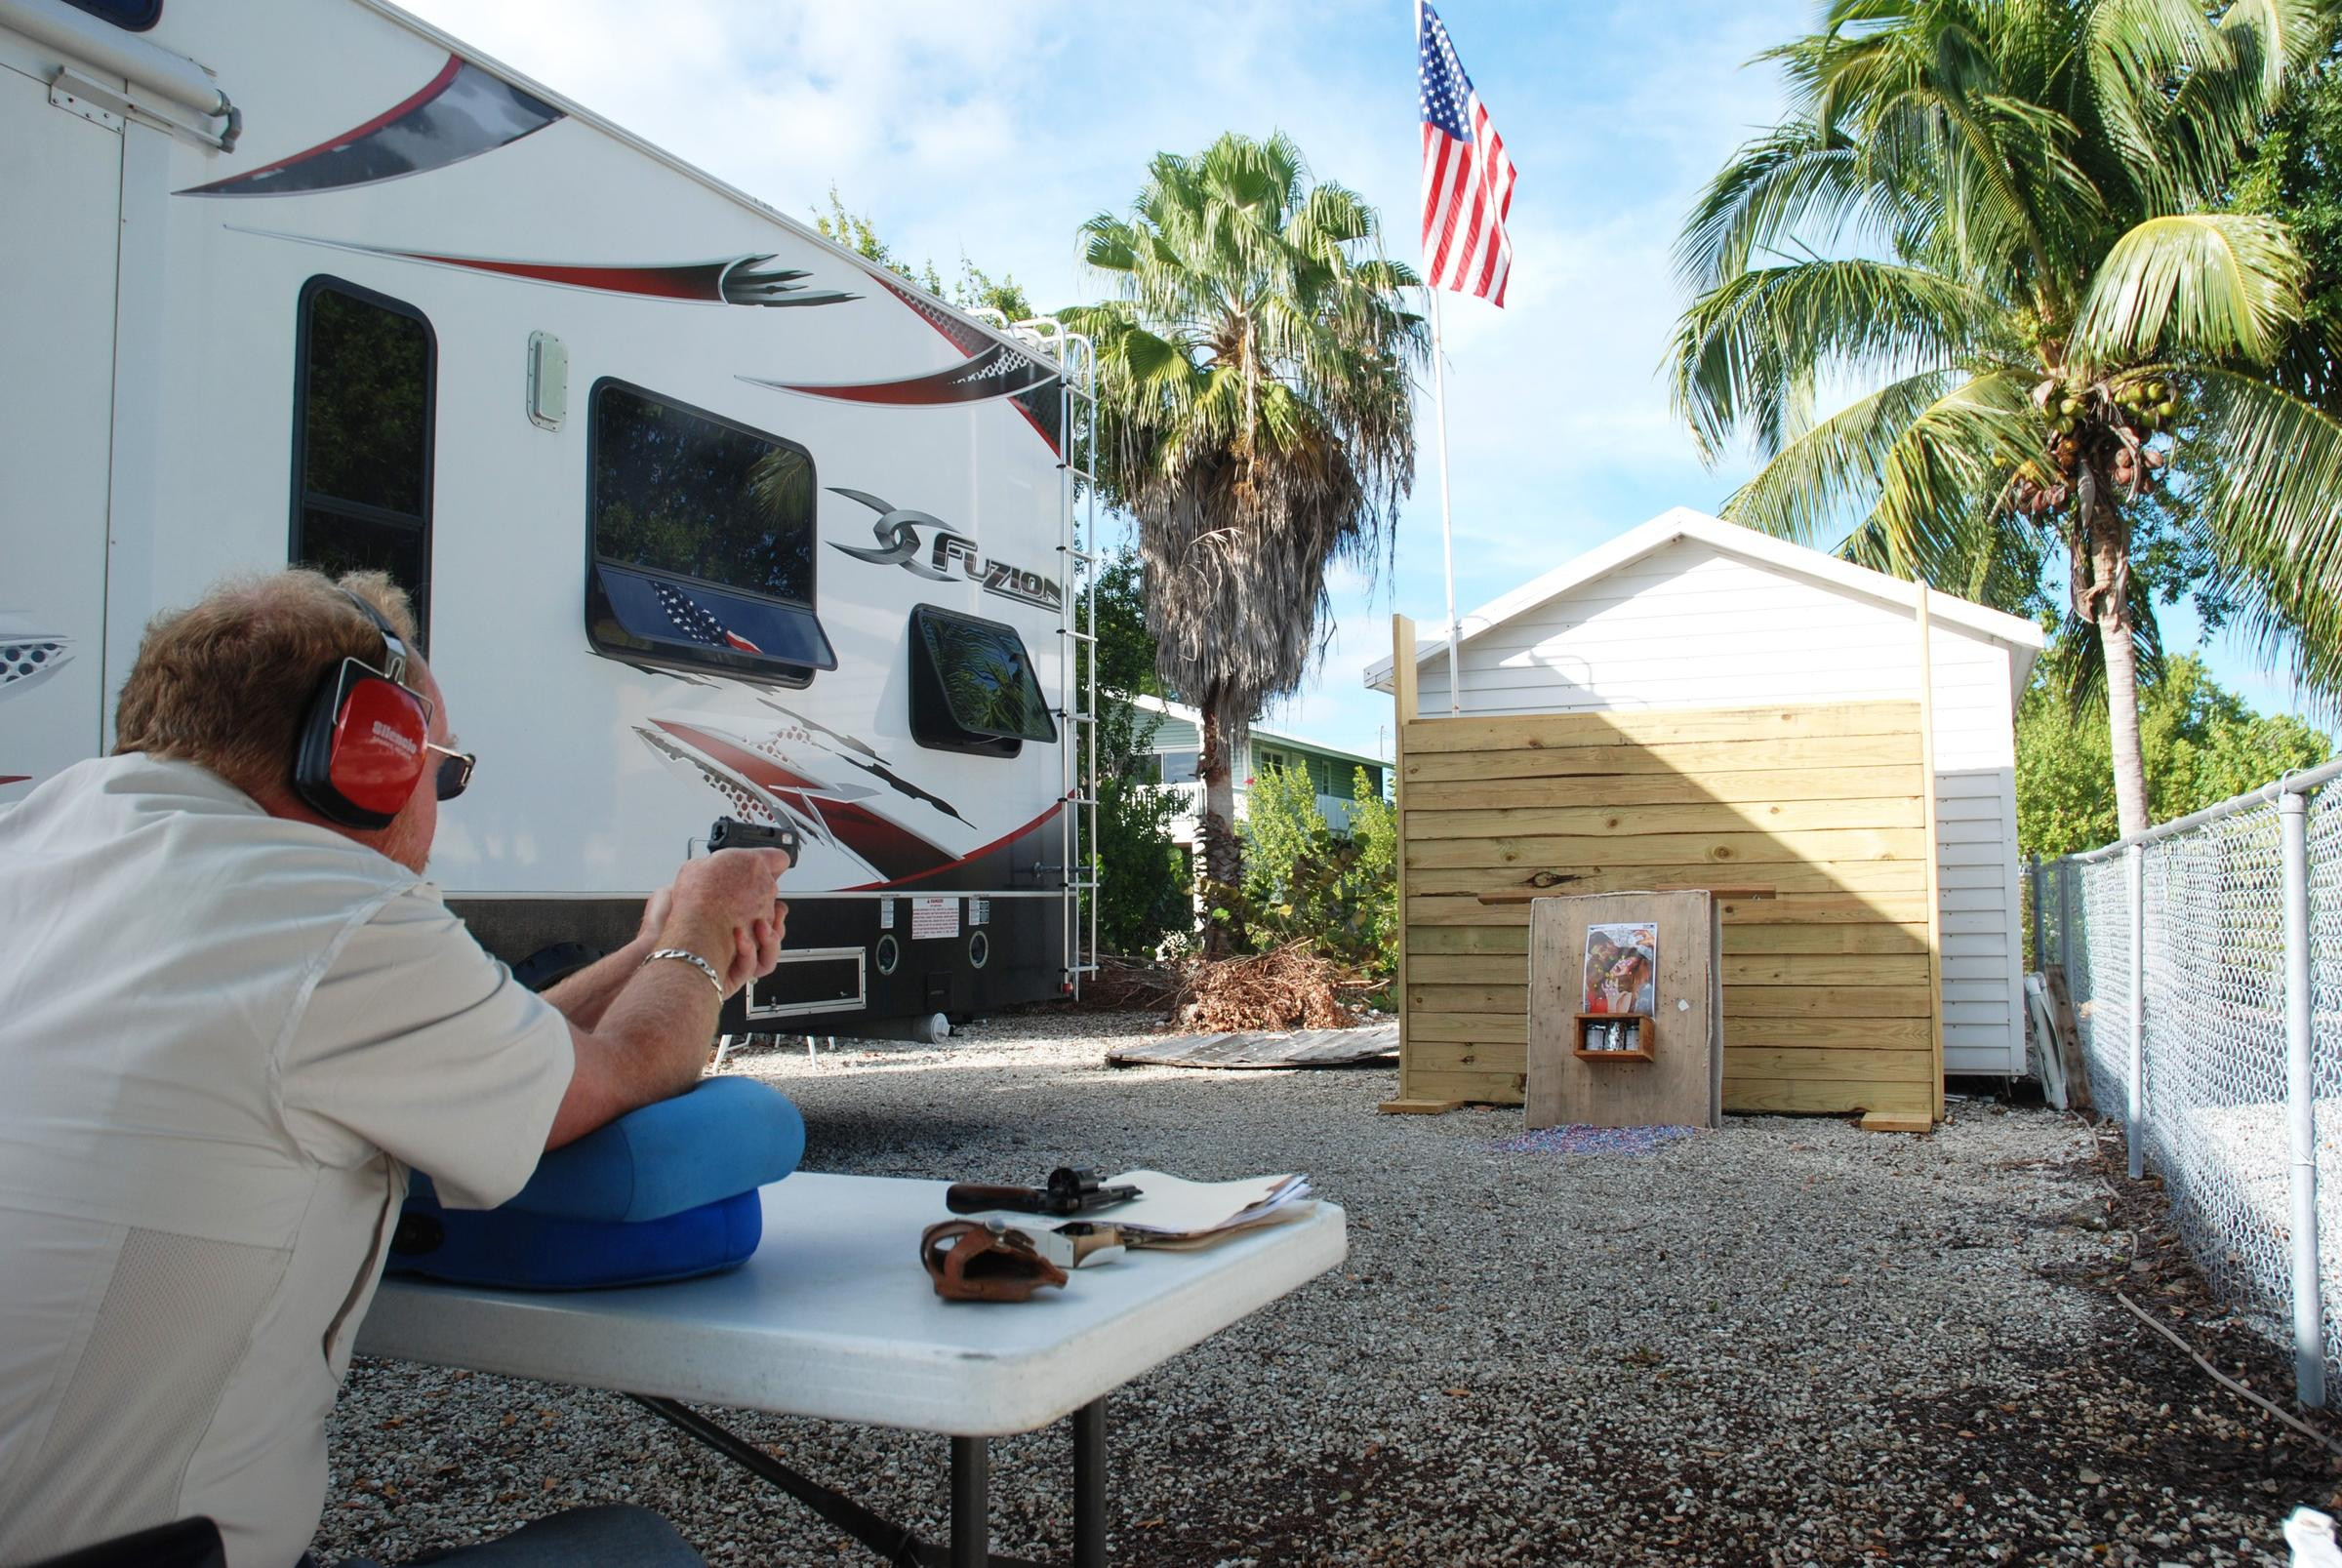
(232, 1015)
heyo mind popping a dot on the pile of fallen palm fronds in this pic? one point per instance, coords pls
(1287, 988)
(1121, 984)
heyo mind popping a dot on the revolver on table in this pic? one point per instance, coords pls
(1070, 1189)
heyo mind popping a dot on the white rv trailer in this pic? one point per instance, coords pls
(704, 514)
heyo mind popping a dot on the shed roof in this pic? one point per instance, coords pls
(2022, 637)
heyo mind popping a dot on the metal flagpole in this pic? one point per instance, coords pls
(1447, 529)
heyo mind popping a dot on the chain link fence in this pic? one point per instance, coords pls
(2204, 962)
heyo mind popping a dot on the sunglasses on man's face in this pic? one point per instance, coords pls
(455, 769)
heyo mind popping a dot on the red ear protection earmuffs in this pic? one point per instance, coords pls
(361, 749)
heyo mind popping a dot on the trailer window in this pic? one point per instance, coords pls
(702, 536)
(135, 14)
(362, 438)
(972, 686)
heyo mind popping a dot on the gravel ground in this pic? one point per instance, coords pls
(1789, 1342)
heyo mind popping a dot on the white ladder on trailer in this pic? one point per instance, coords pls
(1077, 861)
(1078, 667)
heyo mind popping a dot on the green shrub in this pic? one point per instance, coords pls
(1304, 881)
(1142, 893)
(2201, 741)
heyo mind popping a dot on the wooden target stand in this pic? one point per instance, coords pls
(1677, 1078)
(1673, 1073)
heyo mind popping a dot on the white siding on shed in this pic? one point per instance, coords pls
(1694, 626)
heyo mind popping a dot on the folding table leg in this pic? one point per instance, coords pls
(971, 1501)
(1089, 1484)
(898, 1545)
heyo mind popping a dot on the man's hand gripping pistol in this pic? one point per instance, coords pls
(729, 833)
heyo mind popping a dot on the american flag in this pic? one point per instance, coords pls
(697, 624)
(1466, 179)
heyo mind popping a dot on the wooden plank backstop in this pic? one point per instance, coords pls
(1830, 987)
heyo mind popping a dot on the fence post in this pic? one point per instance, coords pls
(2040, 951)
(2309, 1312)
(2065, 917)
(2136, 1132)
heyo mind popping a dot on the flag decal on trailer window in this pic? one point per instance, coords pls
(693, 620)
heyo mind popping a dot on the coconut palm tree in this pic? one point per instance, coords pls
(2001, 220)
(1255, 416)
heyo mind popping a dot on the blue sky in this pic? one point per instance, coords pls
(993, 130)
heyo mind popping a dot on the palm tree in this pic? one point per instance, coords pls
(2000, 218)
(1255, 416)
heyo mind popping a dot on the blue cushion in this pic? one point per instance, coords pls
(507, 1249)
(727, 1136)
(667, 1191)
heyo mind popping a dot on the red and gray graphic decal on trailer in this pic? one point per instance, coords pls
(997, 372)
(459, 113)
(758, 777)
(990, 370)
(856, 754)
(759, 780)
(734, 280)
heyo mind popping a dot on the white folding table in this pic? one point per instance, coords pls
(834, 1317)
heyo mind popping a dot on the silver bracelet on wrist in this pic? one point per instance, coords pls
(684, 956)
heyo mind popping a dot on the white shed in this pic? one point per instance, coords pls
(1691, 612)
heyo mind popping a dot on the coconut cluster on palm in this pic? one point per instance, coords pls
(2108, 427)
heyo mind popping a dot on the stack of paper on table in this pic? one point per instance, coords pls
(1170, 1209)
(1171, 1212)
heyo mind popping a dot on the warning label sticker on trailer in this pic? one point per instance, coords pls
(934, 917)
(979, 911)
(886, 915)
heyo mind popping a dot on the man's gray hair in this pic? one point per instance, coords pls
(225, 682)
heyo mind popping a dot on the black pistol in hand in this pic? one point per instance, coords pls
(729, 833)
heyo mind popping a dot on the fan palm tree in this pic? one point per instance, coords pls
(1255, 416)
(2000, 218)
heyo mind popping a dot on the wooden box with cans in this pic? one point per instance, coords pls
(1617, 1037)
